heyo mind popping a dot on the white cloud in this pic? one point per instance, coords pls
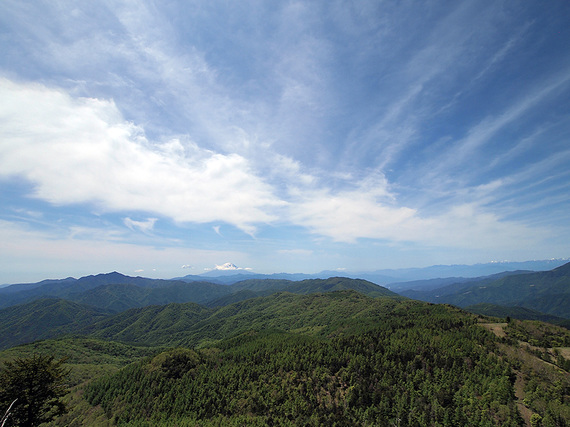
(144, 226)
(266, 125)
(81, 150)
(466, 150)
(369, 212)
(31, 255)
(345, 216)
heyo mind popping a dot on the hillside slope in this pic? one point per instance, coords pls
(191, 325)
(44, 318)
(117, 292)
(330, 358)
(307, 286)
(320, 359)
(162, 306)
(120, 297)
(70, 288)
(547, 292)
(152, 325)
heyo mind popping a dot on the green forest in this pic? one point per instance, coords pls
(305, 358)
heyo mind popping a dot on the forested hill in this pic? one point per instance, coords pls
(338, 358)
(314, 285)
(324, 358)
(73, 289)
(192, 325)
(546, 292)
(45, 318)
(79, 313)
(117, 292)
(361, 362)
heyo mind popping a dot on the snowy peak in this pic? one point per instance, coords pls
(226, 269)
(226, 266)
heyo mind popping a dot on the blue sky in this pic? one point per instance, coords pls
(283, 136)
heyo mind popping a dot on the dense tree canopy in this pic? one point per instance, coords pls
(422, 366)
(36, 384)
(339, 358)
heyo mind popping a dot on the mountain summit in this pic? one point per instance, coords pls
(227, 266)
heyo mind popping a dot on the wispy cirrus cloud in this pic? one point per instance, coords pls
(319, 128)
(113, 165)
(144, 226)
(466, 149)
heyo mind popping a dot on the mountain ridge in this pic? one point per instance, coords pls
(112, 303)
(315, 358)
(544, 291)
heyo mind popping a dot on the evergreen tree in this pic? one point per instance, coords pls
(38, 383)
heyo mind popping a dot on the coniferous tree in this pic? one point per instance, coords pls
(38, 383)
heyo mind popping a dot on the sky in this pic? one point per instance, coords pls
(164, 138)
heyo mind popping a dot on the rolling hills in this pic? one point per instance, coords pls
(357, 361)
(93, 308)
(280, 352)
(74, 289)
(44, 318)
(117, 292)
(547, 292)
(316, 359)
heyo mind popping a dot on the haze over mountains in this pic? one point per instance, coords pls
(106, 321)
(52, 307)
(120, 302)
(229, 273)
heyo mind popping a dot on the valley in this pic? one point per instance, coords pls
(281, 352)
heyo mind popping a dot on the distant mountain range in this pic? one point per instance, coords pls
(63, 310)
(54, 307)
(547, 292)
(232, 274)
(348, 350)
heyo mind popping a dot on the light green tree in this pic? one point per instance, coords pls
(535, 420)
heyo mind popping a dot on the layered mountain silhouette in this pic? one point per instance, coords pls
(87, 305)
(310, 352)
(546, 292)
(63, 309)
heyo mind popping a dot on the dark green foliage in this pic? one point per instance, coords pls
(120, 297)
(538, 333)
(51, 317)
(536, 353)
(548, 399)
(191, 325)
(102, 291)
(233, 298)
(38, 384)
(311, 286)
(44, 318)
(117, 292)
(520, 313)
(153, 325)
(546, 291)
(337, 357)
(545, 341)
(86, 358)
(413, 364)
